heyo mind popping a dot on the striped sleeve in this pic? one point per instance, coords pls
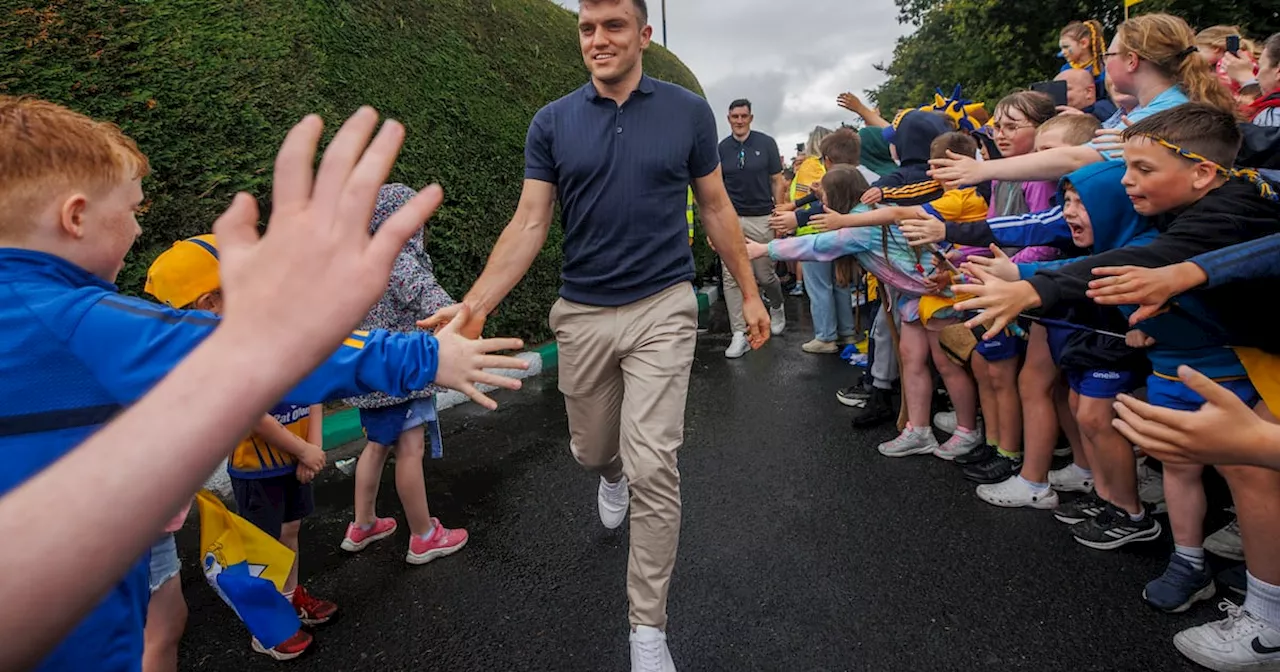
(1254, 260)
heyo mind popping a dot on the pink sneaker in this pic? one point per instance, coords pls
(357, 538)
(442, 542)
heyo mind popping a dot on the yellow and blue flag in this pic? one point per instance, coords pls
(247, 568)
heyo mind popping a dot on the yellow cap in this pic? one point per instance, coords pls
(184, 272)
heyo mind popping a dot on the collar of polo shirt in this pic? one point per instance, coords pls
(645, 87)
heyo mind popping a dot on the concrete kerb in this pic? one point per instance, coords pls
(342, 427)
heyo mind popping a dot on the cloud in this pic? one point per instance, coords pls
(790, 60)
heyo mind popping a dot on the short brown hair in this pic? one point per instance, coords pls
(1076, 129)
(642, 9)
(955, 141)
(1202, 128)
(1036, 106)
(48, 149)
(842, 147)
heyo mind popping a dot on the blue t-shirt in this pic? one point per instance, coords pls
(621, 174)
(1167, 100)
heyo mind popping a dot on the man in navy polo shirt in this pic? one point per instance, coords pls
(753, 177)
(619, 154)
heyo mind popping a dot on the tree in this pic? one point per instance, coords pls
(994, 47)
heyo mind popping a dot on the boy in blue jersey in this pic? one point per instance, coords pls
(271, 470)
(79, 353)
(1179, 175)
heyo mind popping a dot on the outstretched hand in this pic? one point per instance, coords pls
(925, 231)
(1148, 288)
(472, 327)
(997, 265)
(463, 361)
(956, 171)
(317, 249)
(1000, 302)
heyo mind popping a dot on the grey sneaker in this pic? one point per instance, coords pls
(1226, 543)
(913, 441)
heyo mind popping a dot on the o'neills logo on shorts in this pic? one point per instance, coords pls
(1106, 375)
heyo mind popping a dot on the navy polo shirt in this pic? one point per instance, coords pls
(749, 167)
(621, 175)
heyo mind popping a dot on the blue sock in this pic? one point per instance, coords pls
(1193, 555)
(1038, 487)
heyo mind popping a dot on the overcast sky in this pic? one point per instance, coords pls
(790, 59)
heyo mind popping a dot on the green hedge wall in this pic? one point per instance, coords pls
(209, 88)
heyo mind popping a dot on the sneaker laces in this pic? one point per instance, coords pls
(650, 654)
(1238, 622)
(1233, 527)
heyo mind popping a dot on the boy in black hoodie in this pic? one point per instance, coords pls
(910, 137)
(1178, 176)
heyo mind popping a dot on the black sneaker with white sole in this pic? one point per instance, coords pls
(998, 469)
(854, 396)
(878, 410)
(1114, 528)
(978, 455)
(1080, 509)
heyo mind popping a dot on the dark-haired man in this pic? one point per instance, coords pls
(619, 154)
(753, 177)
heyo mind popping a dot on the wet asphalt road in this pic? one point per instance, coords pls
(802, 550)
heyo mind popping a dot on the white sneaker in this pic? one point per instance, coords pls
(1226, 543)
(738, 347)
(1151, 488)
(912, 441)
(778, 320)
(1070, 479)
(816, 347)
(1015, 493)
(649, 651)
(1237, 643)
(613, 499)
(959, 444)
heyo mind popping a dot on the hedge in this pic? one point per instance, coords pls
(209, 88)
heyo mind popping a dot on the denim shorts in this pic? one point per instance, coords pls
(385, 425)
(164, 561)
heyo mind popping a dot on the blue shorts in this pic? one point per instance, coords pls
(1102, 383)
(1176, 395)
(164, 561)
(385, 425)
(1001, 347)
(271, 502)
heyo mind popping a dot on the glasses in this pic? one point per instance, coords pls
(1012, 127)
(742, 158)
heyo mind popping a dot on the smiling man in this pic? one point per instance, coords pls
(753, 177)
(619, 154)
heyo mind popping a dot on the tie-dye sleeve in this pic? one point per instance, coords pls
(827, 246)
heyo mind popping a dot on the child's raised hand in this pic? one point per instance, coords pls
(1108, 140)
(1000, 302)
(1241, 70)
(465, 363)
(998, 265)
(317, 248)
(1149, 288)
(756, 250)
(926, 231)
(783, 222)
(956, 171)
(850, 102)
(826, 221)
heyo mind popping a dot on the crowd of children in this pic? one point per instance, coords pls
(1020, 260)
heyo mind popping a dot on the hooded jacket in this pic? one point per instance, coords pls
(412, 293)
(1115, 224)
(910, 184)
(78, 353)
(1191, 332)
